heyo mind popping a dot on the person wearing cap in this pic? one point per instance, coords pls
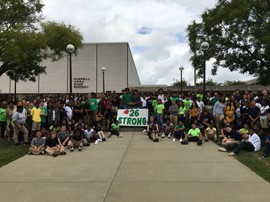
(253, 143)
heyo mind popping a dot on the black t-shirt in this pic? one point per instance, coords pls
(234, 135)
(152, 126)
(77, 115)
(77, 137)
(51, 142)
(254, 111)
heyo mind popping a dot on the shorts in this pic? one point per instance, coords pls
(36, 126)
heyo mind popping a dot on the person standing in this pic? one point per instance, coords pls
(173, 111)
(18, 119)
(36, 119)
(3, 118)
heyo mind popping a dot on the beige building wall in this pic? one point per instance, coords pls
(86, 72)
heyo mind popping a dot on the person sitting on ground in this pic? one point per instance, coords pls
(53, 148)
(253, 143)
(63, 136)
(267, 147)
(152, 129)
(210, 132)
(167, 128)
(231, 136)
(99, 133)
(89, 133)
(179, 132)
(193, 135)
(115, 128)
(37, 144)
(76, 141)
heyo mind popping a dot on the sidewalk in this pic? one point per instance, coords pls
(133, 169)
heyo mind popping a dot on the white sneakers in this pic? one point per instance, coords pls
(222, 149)
(173, 139)
(231, 154)
(163, 135)
(181, 140)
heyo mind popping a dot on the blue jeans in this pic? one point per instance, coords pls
(159, 120)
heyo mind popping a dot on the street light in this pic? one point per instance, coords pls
(103, 69)
(70, 49)
(181, 78)
(204, 47)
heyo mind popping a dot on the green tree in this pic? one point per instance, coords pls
(26, 39)
(209, 82)
(238, 34)
(178, 83)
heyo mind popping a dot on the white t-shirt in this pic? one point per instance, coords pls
(256, 141)
(263, 110)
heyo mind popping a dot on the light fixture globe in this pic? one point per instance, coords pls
(204, 45)
(103, 69)
(70, 48)
(181, 68)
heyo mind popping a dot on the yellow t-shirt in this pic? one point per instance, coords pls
(36, 115)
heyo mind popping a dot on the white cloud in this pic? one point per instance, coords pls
(159, 52)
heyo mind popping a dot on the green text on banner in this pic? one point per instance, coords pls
(132, 117)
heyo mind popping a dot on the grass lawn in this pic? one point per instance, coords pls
(255, 162)
(9, 152)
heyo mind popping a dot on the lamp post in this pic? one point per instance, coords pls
(204, 47)
(70, 49)
(103, 69)
(181, 78)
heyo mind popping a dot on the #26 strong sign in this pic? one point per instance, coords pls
(132, 117)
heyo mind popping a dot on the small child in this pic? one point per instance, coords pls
(37, 144)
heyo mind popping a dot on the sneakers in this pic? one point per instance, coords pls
(71, 149)
(173, 139)
(169, 135)
(206, 139)
(99, 140)
(96, 142)
(199, 143)
(163, 135)
(63, 153)
(156, 140)
(231, 154)
(80, 148)
(144, 130)
(222, 149)
(42, 153)
(121, 135)
(55, 155)
(103, 139)
(181, 140)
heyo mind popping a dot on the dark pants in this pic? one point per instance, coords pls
(244, 145)
(193, 139)
(267, 149)
(3, 128)
(115, 132)
(179, 134)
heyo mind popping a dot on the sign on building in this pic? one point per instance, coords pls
(132, 117)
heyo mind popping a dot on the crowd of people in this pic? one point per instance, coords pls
(235, 121)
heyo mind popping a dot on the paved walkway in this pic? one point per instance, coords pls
(133, 169)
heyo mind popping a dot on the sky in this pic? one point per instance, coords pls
(154, 29)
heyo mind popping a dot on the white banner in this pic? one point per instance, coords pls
(132, 117)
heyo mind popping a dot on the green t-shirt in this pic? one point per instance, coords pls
(160, 108)
(3, 117)
(187, 104)
(175, 98)
(177, 127)
(200, 96)
(115, 127)
(194, 132)
(243, 130)
(214, 100)
(154, 104)
(127, 98)
(93, 104)
(181, 110)
(45, 112)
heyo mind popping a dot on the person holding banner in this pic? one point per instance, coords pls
(152, 129)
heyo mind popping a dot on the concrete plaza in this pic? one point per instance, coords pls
(133, 168)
